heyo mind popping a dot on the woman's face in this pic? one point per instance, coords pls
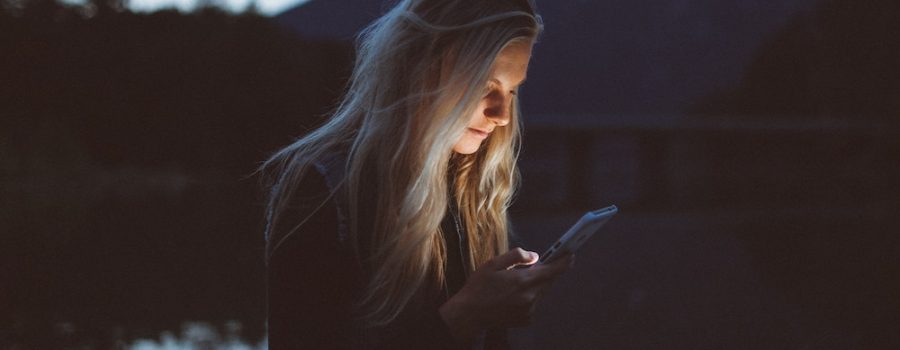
(494, 109)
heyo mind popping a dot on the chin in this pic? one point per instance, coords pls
(466, 149)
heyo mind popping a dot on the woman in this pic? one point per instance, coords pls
(387, 226)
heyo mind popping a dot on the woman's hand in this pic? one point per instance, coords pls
(498, 295)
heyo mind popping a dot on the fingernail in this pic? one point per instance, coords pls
(534, 255)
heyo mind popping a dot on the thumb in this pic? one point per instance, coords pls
(512, 258)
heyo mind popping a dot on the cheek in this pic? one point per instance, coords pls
(477, 114)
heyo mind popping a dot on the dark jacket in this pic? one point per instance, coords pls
(314, 279)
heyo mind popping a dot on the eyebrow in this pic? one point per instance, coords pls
(497, 81)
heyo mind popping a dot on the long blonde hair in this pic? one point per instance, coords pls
(420, 72)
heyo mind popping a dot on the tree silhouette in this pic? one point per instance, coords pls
(834, 63)
(127, 141)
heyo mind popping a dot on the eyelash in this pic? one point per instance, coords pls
(511, 92)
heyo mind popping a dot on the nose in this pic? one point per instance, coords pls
(497, 109)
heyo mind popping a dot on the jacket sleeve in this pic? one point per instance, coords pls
(314, 282)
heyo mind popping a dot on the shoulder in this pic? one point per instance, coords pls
(312, 212)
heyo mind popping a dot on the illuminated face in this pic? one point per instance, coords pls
(494, 109)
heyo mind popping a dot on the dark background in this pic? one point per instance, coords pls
(752, 148)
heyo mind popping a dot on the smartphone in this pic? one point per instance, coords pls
(579, 233)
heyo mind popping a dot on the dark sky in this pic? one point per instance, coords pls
(611, 58)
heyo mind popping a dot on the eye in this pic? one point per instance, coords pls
(493, 87)
(488, 89)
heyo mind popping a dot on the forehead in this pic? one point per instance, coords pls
(511, 64)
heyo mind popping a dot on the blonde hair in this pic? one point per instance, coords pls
(420, 72)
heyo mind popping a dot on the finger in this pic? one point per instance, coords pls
(512, 258)
(543, 273)
(562, 264)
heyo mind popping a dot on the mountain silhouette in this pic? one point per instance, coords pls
(331, 19)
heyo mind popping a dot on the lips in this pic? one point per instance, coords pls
(479, 133)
